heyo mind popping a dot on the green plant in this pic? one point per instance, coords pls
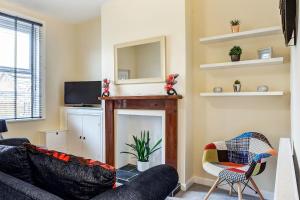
(141, 147)
(236, 50)
(235, 22)
(237, 82)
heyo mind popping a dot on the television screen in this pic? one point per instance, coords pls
(83, 93)
(289, 20)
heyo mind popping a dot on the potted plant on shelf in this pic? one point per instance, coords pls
(237, 86)
(235, 53)
(142, 150)
(235, 25)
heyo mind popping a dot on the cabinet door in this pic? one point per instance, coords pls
(56, 140)
(92, 137)
(74, 123)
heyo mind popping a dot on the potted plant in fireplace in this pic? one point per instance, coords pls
(235, 53)
(142, 151)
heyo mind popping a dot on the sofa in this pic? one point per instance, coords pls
(154, 184)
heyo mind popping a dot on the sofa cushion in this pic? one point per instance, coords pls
(14, 141)
(14, 161)
(68, 176)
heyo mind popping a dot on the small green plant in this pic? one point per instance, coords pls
(237, 82)
(235, 22)
(236, 50)
(141, 147)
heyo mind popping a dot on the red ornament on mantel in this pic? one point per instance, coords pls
(170, 82)
(106, 92)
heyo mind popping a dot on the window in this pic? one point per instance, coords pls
(20, 68)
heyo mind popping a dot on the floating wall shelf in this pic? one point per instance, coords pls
(245, 63)
(241, 94)
(241, 35)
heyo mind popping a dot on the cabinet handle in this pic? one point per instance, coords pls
(80, 137)
(56, 133)
(84, 138)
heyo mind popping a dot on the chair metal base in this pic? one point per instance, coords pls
(240, 190)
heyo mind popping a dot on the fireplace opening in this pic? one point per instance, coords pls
(133, 122)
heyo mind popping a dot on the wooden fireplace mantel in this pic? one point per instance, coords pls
(161, 97)
(158, 102)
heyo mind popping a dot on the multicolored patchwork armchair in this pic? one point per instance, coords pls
(237, 160)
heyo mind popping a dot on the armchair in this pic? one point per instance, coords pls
(237, 160)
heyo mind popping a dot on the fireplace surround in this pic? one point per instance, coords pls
(169, 104)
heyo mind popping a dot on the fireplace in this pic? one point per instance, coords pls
(167, 104)
(132, 122)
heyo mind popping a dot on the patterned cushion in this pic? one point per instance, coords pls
(68, 176)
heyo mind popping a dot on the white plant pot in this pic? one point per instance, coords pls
(142, 166)
(237, 87)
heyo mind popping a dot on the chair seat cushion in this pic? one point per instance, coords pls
(227, 170)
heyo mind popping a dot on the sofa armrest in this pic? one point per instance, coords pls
(14, 141)
(12, 188)
(154, 184)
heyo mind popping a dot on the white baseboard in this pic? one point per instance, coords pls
(209, 182)
(185, 186)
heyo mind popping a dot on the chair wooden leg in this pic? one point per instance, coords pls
(240, 191)
(212, 189)
(230, 190)
(256, 188)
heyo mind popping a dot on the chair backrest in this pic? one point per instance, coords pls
(249, 146)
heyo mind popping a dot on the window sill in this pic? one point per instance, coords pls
(24, 120)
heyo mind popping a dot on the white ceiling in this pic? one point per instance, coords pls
(72, 11)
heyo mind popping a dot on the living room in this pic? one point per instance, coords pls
(208, 96)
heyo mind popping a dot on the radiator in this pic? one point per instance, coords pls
(286, 183)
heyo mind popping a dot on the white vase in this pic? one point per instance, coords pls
(237, 87)
(142, 166)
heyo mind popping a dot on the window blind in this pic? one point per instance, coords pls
(20, 68)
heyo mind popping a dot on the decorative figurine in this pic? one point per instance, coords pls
(106, 92)
(262, 88)
(218, 89)
(170, 82)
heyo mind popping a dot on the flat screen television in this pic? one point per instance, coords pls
(83, 93)
(289, 21)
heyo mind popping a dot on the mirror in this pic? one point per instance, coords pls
(140, 61)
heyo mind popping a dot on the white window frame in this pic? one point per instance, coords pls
(42, 67)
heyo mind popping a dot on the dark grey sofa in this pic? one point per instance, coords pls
(154, 184)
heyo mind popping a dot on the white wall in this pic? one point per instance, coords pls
(88, 49)
(126, 21)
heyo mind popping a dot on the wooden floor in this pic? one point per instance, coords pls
(197, 192)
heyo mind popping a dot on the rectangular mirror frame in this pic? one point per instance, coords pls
(162, 41)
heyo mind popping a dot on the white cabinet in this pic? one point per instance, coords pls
(56, 140)
(84, 136)
(75, 139)
(91, 136)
